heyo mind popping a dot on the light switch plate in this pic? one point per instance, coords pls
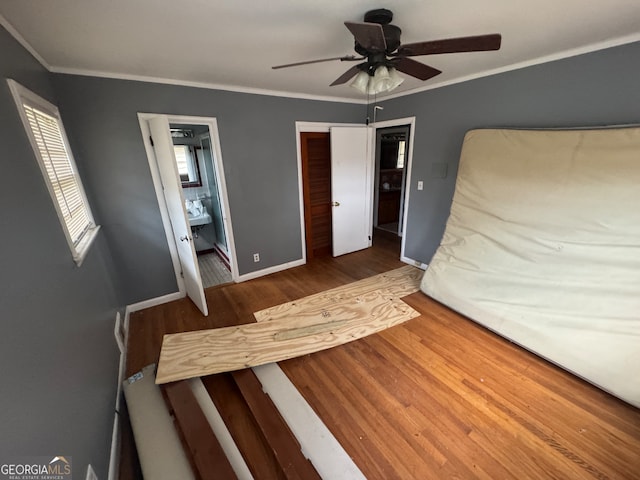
(420, 185)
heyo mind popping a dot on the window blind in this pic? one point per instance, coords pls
(42, 122)
(64, 181)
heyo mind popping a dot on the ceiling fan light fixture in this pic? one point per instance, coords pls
(361, 82)
(384, 80)
(396, 79)
(380, 81)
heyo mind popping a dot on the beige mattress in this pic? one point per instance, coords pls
(543, 246)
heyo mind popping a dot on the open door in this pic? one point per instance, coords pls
(351, 188)
(163, 149)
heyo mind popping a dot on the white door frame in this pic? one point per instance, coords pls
(398, 122)
(310, 127)
(325, 127)
(157, 184)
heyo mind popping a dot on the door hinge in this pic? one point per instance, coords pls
(182, 273)
(151, 140)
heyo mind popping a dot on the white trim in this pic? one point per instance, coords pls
(220, 430)
(270, 270)
(117, 328)
(414, 263)
(303, 229)
(152, 302)
(397, 122)
(316, 441)
(114, 455)
(206, 85)
(573, 52)
(594, 47)
(21, 40)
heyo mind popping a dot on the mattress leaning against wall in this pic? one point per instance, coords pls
(543, 246)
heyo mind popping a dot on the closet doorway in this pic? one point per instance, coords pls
(392, 153)
(335, 175)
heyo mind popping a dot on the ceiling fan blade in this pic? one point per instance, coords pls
(415, 69)
(347, 58)
(346, 76)
(369, 35)
(477, 43)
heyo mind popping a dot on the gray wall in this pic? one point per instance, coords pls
(257, 135)
(58, 357)
(599, 88)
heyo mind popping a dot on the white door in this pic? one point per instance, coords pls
(163, 148)
(351, 188)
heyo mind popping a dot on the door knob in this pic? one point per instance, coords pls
(335, 204)
(184, 239)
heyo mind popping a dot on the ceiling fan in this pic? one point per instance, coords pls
(378, 43)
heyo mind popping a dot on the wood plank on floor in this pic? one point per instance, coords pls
(278, 434)
(304, 326)
(243, 428)
(201, 445)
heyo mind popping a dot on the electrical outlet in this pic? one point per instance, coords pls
(420, 184)
(256, 257)
(91, 475)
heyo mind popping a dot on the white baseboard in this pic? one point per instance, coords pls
(270, 270)
(114, 455)
(152, 302)
(415, 263)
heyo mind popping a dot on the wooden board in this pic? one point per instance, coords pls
(287, 451)
(304, 326)
(200, 443)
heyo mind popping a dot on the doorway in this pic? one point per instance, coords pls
(316, 178)
(188, 176)
(392, 144)
(336, 177)
(372, 192)
(200, 182)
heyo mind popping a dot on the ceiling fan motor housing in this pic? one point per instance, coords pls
(379, 15)
(374, 58)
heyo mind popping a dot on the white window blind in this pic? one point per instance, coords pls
(49, 142)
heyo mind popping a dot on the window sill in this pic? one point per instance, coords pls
(82, 248)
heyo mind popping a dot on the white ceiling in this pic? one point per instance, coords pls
(233, 43)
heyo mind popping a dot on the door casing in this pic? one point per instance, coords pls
(218, 164)
(326, 127)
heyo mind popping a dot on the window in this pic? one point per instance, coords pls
(46, 133)
(188, 167)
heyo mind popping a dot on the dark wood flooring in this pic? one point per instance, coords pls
(436, 397)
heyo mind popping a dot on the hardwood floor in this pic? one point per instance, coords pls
(436, 397)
